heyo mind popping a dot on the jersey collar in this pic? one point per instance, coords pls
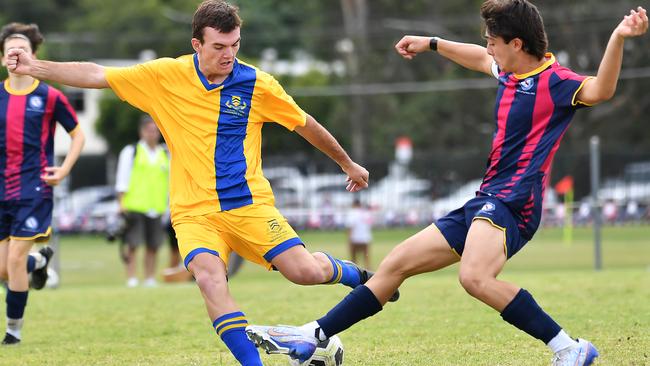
(206, 83)
(25, 91)
(550, 60)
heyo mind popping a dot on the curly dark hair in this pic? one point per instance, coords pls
(30, 31)
(216, 14)
(510, 19)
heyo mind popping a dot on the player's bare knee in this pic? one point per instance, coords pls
(394, 266)
(473, 281)
(4, 275)
(207, 280)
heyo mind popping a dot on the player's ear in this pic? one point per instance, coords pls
(517, 44)
(196, 44)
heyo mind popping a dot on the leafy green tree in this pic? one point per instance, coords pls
(118, 122)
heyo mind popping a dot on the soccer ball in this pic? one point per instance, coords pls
(52, 278)
(328, 353)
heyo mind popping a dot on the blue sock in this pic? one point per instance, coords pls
(356, 306)
(31, 264)
(16, 302)
(524, 313)
(343, 273)
(231, 328)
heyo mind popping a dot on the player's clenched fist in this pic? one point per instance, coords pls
(18, 61)
(409, 46)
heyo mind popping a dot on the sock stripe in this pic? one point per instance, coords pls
(340, 270)
(231, 329)
(336, 268)
(237, 320)
(236, 324)
(228, 317)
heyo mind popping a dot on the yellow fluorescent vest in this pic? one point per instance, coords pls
(213, 131)
(148, 183)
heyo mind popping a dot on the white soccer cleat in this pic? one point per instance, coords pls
(582, 353)
(284, 340)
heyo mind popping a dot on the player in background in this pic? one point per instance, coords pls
(29, 110)
(359, 224)
(210, 108)
(536, 99)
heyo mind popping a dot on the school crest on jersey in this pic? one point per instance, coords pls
(275, 231)
(488, 207)
(527, 84)
(35, 103)
(31, 223)
(274, 225)
(236, 106)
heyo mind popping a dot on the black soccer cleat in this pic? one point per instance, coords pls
(10, 340)
(39, 276)
(365, 275)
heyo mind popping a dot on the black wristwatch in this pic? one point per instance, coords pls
(433, 43)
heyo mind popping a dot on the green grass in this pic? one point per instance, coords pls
(92, 319)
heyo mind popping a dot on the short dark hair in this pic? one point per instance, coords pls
(510, 19)
(30, 31)
(144, 121)
(216, 14)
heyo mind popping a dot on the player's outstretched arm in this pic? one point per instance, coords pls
(320, 138)
(470, 56)
(54, 174)
(78, 74)
(603, 86)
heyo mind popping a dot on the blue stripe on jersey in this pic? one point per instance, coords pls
(4, 101)
(206, 83)
(229, 159)
(35, 108)
(518, 126)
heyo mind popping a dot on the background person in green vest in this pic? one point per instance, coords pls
(142, 185)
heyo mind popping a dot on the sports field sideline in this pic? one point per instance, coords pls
(93, 319)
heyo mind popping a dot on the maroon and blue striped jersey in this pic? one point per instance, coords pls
(532, 113)
(27, 123)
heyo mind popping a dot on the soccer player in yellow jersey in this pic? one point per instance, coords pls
(210, 108)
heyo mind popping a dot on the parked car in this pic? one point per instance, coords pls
(88, 209)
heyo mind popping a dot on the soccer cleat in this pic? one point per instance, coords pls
(582, 353)
(365, 275)
(39, 276)
(10, 340)
(284, 340)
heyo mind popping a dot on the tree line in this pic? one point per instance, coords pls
(445, 110)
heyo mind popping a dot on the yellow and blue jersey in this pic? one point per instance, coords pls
(213, 131)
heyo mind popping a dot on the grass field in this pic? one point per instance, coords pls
(92, 319)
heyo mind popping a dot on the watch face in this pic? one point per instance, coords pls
(433, 44)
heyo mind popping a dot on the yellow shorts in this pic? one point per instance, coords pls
(258, 233)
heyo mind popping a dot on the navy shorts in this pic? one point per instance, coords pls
(28, 219)
(455, 225)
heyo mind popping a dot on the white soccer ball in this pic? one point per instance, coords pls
(52, 278)
(328, 353)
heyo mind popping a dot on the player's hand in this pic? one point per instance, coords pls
(357, 177)
(19, 61)
(409, 46)
(634, 24)
(54, 175)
